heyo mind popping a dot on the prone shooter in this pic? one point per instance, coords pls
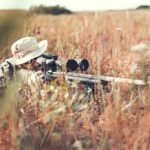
(30, 63)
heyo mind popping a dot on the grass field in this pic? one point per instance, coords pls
(55, 121)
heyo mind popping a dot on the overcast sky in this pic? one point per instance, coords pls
(75, 5)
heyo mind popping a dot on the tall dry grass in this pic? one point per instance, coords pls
(62, 118)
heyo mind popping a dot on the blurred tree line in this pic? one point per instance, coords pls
(13, 25)
(54, 10)
(143, 7)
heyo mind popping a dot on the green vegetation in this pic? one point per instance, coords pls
(12, 27)
(143, 7)
(54, 10)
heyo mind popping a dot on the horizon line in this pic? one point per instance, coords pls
(100, 9)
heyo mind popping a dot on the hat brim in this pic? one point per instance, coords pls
(42, 48)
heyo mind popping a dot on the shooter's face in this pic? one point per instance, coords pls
(29, 65)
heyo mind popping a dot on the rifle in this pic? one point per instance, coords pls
(72, 75)
(52, 67)
(82, 65)
(90, 80)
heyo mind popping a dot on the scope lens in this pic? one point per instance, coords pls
(71, 65)
(84, 65)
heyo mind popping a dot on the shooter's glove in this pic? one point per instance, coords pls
(1, 73)
(41, 76)
(7, 69)
(2, 78)
(45, 77)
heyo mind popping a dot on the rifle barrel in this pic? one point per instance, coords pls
(97, 79)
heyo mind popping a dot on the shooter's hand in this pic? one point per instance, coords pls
(7, 69)
(2, 78)
(41, 76)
